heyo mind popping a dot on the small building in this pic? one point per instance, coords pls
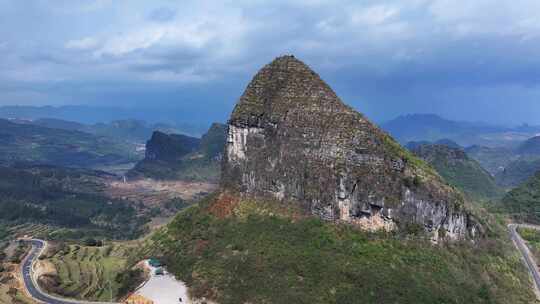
(155, 263)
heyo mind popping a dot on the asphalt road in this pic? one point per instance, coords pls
(35, 292)
(527, 256)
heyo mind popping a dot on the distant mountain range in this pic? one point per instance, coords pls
(525, 163)
(128, 129)
(510, 166)
(511, 154)
(188, 123)
(43, 145)
(431, 127)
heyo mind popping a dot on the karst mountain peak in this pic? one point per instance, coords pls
(291, 138)
(283, 84)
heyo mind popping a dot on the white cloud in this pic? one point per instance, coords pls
(373, 15)
(215, 41)
(185, 77)
(87, 43)
(503, 17)
(126, 43)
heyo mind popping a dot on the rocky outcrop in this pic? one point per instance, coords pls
(213, 141)
(181, 157)
(170, 147)
(291, 138)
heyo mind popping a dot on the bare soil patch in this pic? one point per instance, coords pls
(153, 193)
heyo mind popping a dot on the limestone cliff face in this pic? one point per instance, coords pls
(290, 137)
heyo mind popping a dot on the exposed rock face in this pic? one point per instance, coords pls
(290, 137)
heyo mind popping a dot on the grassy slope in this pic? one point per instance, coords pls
(258, 257)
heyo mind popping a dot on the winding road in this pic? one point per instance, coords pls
(526, 253)
(30, 282)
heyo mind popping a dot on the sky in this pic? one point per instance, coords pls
(473, 60)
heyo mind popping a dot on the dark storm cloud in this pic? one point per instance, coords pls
(470, 60)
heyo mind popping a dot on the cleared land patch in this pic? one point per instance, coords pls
(89, 273)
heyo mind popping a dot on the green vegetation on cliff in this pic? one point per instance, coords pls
(264, 255)
(291, 137)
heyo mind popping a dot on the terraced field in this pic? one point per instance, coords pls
(86, 272)
(35, 230)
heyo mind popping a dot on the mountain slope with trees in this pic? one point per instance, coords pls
(459, 170)
(241, 246)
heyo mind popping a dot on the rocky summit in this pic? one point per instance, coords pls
(291, 138)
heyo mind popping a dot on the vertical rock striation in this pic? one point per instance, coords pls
(291, 138)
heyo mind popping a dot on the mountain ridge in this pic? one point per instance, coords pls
(459, 170)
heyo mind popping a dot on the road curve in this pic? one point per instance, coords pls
(30, 282)
(526, 254)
